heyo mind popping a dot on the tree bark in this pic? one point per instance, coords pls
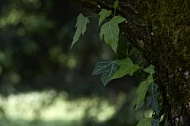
(164, 29)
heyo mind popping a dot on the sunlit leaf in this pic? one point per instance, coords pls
(150, 69)
(126, 68)
(142, 90)
(144, 122)
(103, 15)
(110, 32)
(80, 28)
(106, 69)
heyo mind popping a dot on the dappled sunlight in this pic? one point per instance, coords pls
(49, 106)
(71, 63)
(13, 17)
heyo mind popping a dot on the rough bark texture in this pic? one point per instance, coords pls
(164, 29)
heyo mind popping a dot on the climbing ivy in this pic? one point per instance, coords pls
(106, 69)
(126, 67)
(110, 32)
(81, 28)
(147, 91)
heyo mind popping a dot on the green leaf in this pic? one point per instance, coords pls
(149, 79)
(103, 15)
(126, 67)
(117, 19)
(152, 101)
(106, 69)
(145, 122)
(80, 28)
(116, 4)
(150, 69)
(152, 89)
(142, 90)
(100, 67)
(110, 32)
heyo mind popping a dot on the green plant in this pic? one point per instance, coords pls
(123, 65)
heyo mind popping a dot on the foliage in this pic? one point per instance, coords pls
(110, 32)
(118, 68)
(103, 15)
(106, 69)
(81, 27)
(141, 91)
(144, 122)
(126, 68)
(152, 99)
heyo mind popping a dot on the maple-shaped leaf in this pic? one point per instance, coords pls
(110, 32)
(106, 69)
(126, 67)
(80, 28)
(103, 15)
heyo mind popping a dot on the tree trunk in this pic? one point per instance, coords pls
(164, 29)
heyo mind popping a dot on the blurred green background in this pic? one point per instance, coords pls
(45, 83)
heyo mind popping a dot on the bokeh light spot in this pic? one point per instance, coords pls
(71, 63)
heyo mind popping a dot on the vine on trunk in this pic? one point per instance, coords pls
(109, 70)
(159, 32)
